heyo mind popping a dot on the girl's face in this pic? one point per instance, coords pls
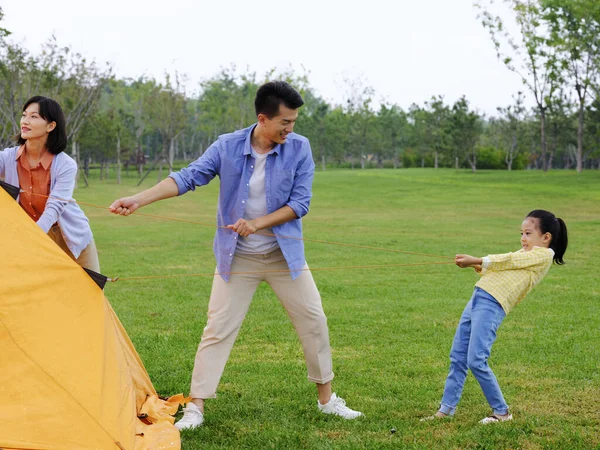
(33, 126)
(531, 235)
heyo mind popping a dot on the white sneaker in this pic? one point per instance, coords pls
(192, 417)
(435, 417)
(495, 419)
(338, 407)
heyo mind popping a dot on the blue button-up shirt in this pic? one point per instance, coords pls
(289, 173)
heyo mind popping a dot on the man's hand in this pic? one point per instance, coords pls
(124, 206)
(463, 261)
(244, 227)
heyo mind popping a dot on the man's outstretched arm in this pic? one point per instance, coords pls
(167, 188)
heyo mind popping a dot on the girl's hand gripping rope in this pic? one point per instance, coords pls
(463, 261)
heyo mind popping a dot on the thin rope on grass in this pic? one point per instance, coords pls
(311, 269)
(320, 241)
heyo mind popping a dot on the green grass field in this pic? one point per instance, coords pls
(391, 328)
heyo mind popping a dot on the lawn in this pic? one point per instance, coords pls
(391, 328)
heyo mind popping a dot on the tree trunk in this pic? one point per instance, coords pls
(76, 158)
(473, 162)
(82, 171)
(323, 161)
(118, 158)
(140, 159)
(171, 153)
(456, 162)
(160, 167)
(579, 155)
(543, 137)
(436, 160)
(510, 155)
(553, 147)
(86, 166)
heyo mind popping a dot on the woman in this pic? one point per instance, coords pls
(46, 177)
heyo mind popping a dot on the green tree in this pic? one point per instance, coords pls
(357, 106)
(466, 126)
(112, 128)
(3, 31)
(575, 32)
(393, 130)
(511, 129)
(336, 134)
(593, 132)
(56, 72)
(165, 110)
(437, 115)
(421, 136)
(561, 126)
(312, 124)
(226, 103)
(531, 55)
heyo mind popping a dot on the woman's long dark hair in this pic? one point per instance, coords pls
(50, 111)
(557, 228)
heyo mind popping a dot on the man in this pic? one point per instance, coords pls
(266, 173)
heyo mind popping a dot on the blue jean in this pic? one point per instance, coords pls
(471, 349)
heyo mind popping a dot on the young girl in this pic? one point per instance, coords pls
(505, 280)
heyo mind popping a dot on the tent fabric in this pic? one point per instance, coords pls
(70, 377)
(14, 191)
(98, 278)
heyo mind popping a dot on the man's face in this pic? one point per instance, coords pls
(279, 126)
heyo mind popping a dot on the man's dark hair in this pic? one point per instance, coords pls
(272, 94)
(50, 111)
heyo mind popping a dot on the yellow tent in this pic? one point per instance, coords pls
(70, 377)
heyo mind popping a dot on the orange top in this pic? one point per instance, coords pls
(35, 180)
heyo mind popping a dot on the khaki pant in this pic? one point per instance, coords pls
(229, 303)
(88, 258)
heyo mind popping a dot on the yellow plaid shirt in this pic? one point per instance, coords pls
(509, 277)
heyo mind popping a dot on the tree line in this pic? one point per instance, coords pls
(142, 124)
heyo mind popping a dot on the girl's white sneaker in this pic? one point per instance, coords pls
(494, 419)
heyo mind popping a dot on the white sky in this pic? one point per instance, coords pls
(406, 50)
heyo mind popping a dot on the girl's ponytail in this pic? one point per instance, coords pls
(557, 228)
(560, 242)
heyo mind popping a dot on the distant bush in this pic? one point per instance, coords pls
(490, 158)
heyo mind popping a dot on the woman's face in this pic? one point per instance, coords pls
(33, 126)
